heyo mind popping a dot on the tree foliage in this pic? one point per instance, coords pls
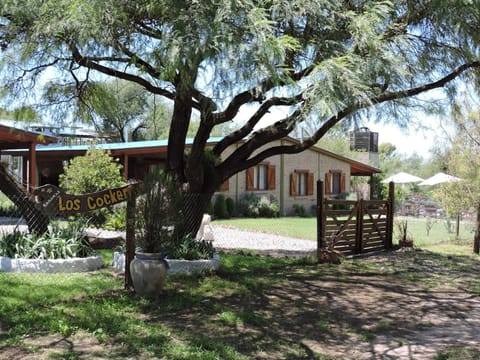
(94, 171)
(320, 62)
(115, 107)
(462, 160)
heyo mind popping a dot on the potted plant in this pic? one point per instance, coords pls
(158, 211)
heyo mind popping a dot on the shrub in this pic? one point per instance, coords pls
(95, 171)
(267, 207)
(220, 207)
(299, 210)
(158, 214)
(59, 242)
(116, 219)
(191, 249)
(253, 206)
(8, 208)
(230, 203)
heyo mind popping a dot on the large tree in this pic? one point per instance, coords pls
(319, 61)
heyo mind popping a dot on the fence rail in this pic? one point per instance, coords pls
(354, 227)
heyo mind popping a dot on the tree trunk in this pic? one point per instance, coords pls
(476, 242)
(36, 219)
(194, 206)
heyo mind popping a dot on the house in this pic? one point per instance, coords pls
(290, 179)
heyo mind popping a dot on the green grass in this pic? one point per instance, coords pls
(302, 228)
(254, 305)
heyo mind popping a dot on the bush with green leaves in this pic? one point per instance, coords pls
(300, 211)
(253, 206)
(59, 242)
(158, 214)
(230, 203)
(190, 248)
(116, 219)
(95, 171)
(220, 207)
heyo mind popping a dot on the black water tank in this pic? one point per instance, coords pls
(363, 139)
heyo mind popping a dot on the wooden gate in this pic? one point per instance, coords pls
(354, 227)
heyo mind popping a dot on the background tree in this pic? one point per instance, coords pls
(115, 107)
(322, 62)
(22, 113)
(462, 159)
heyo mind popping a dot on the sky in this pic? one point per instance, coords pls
(409, 141)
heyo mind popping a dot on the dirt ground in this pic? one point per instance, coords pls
(419, 310)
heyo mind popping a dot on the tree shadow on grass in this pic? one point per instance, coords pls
(295, 310)
(259, 307)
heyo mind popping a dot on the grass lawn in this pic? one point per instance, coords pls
(252, 308)
(302, 228)
(257, 307)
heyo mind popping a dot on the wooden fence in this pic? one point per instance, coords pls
(354, 227)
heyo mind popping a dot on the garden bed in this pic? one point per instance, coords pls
(71, 265)
(176, 266)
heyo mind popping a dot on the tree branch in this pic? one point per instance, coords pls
(92, 64)
(249, 126)
(240, 157)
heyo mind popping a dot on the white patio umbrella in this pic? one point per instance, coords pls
(403, 178)
(439, 178)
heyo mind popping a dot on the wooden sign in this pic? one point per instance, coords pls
(54, 201)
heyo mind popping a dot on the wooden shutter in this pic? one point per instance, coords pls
(271, 177)
(342, 183)
(328, 183)
(310, 184)
(293, 184)
(225, 185)
(250, 173)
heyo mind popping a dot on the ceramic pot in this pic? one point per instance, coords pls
(148, 272)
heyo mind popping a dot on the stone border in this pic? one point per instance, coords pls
(72, 265)
(176, 266)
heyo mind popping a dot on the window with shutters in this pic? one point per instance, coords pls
(335, 182)
(301, 183)
(261, 177)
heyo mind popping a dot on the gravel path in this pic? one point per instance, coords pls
(228, 239)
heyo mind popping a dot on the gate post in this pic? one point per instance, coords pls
(130, 234)
(359, 229)
(320, 217)
(390, 212)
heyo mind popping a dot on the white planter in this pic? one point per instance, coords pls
(148, 273)
(72, 265)
(176, 266)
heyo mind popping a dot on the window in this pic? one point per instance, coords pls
(261, 177)
(301, 183)
(334, 182)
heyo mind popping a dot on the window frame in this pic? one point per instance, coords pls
(254, 177)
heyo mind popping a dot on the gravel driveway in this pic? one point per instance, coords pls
(229, 238)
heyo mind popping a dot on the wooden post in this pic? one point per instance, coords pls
(130, 235)
(33, 168)
(476, 242)
(320, 217)
(359, 230)
(390, 212)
